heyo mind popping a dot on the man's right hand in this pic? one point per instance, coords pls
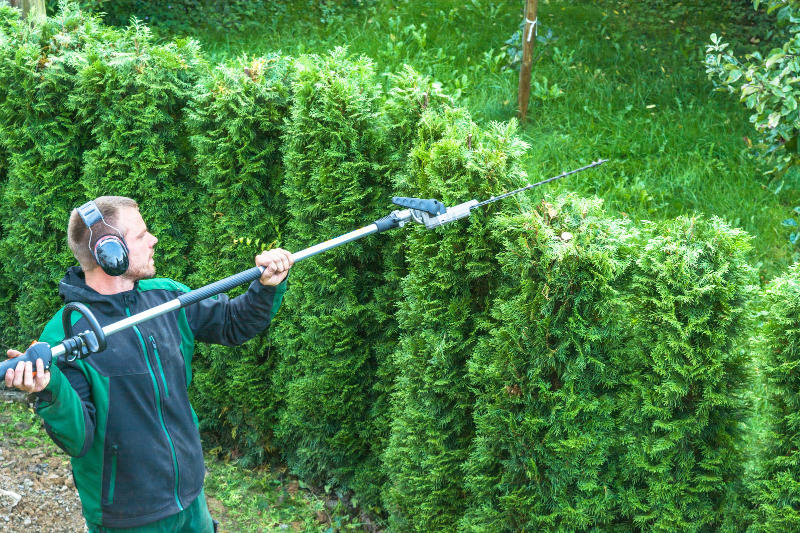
(24, 377)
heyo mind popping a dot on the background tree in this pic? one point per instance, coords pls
(765, 83)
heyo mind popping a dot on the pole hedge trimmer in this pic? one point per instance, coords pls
(431, 213)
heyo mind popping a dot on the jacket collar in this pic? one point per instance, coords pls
(73, 288)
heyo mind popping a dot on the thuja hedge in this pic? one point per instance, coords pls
(235, 121)
(131, 96)
(442, 313)
(8, 17)
(560, 370)
(687, 402)
(612, 386)
(546, 453)
(776, 488)
(43, 141)
(331, 333)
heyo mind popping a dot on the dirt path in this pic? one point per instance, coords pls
(36, 489)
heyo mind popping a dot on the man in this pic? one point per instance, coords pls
(123, 414)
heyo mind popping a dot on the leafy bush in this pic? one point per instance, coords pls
(131, 96)
(442, 314)
(236, 121)
(43, 141)
(331, 332)
(97, 7)
(776, 492)
(548, 374)
(8, 19)
(686, 395)
(611, 387)
(765, 84)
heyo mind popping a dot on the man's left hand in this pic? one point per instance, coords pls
(276, 263)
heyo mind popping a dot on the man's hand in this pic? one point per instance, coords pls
(24, 377)
(276, 263)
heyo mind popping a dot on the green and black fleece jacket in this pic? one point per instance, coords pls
(123, 414)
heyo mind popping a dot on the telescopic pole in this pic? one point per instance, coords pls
(431, 213)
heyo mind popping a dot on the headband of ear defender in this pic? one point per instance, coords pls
(109, 250)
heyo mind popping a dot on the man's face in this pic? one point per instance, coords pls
(140, 245)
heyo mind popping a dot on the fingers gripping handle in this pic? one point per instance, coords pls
(39, 350)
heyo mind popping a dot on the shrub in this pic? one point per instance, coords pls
(442, 314)
(331, 334)
(776, 492)
(236, 121)
(765, 84)
(131, 96)
(8, 20)
(43, 141)
(548, 374)
(682, 457)
(612, 388)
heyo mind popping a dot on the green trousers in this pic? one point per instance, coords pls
(193, 519)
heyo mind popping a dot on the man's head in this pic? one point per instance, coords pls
(122, 214)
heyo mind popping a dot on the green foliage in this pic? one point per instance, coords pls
(624, 411)
(258, 501)
(409, 95)
(131, 96)
(776, 491)
(765, 84)
(686, 377)
(236, 123)
(546, 455)
(43, 141)
(611, 390)
(332, 332)
(445, 296)
(8, 19)
(93, 6)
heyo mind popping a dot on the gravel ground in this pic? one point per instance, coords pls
(36, 489)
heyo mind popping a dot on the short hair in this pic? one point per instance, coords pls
(78, 233)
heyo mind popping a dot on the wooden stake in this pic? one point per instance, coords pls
(30, 8)
(529, 32)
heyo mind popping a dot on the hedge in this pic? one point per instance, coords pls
(131, 95)
(441, 314)
(546, 455)
(8, 18)
(44, 142)
(775, 488)
(236, 122)
(555, 369)
(688, 394)
(613, 383)
(331, 332)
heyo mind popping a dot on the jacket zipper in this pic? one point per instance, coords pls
(160, 368)
(113, 477)
(159, 407)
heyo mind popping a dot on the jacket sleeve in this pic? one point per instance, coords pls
(67, 410)
(231, 322)
(65, 405)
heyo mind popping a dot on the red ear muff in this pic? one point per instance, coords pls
(111, 254)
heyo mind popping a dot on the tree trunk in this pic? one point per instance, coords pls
(529, 32)
(30, 8)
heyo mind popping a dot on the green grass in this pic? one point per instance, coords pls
(622, 80)
(263, 500)
(19, 426)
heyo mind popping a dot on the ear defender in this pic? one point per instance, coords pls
(109, 250)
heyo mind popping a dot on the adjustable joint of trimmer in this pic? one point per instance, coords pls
(433, 213)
